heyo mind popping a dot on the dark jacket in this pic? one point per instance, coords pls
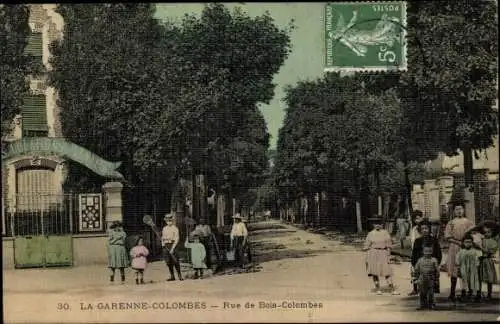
(417, 251)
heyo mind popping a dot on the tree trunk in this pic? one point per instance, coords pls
(408, 186)
(357, 185)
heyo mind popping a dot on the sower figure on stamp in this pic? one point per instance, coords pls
(454, 233)
(169, 242)
(239, 236)
(427, 269)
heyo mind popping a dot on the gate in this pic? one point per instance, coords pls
(41, 226)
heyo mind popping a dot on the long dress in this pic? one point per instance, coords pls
(487, 265)
(468, 262)
(378, 243)
(117, 254)
(198, 255)
(139, 254)
(456, 229)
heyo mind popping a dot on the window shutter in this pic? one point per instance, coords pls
(34, 114)
(35, 45)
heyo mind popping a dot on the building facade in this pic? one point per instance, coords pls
(41, 224)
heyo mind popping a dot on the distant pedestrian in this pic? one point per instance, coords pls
(414, 235)
(378, 245)
(418, 251)
(169, 241)
(454, 234)
(204, 233)
(117, 254)
(239, 235)
(198, 255)
(487, 271)
(139, 255)
(427, 269)
(467, 263)
(402, 229)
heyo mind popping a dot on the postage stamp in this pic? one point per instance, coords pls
(365, 36)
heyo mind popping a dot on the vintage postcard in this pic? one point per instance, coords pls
(250, 162)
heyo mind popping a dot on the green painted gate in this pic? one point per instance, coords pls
(42, 236)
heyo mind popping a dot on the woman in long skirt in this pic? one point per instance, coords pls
(378, 245)
(117, 254)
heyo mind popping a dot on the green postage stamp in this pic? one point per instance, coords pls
(365, 36)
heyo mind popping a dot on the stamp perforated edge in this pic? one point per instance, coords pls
(403, 67)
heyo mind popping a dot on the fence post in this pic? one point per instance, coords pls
(71, 212)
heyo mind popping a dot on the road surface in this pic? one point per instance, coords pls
(300, 277)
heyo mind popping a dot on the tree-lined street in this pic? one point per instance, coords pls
(176, 106)
(292, 265)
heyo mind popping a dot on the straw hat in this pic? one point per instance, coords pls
(168, 216)
(237, 216)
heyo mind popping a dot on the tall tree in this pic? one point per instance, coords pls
(227, 64)
(453, 73)
(110, 76)
(15, 66)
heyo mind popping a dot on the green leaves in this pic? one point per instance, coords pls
(15, 66)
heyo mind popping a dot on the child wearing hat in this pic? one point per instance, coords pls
(378, 245)
(198, 255)
(169, 241)
(117, 254)
(239, 236)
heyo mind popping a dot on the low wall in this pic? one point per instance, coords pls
(8, 253)
(88, 249)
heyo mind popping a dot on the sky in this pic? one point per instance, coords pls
(307, 57)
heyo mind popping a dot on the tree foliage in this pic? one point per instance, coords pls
(169, 100)
(452, 60)
(15, 65)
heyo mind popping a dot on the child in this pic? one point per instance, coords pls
(487, 271)
(117, 254)
(467, 262)
(378, 246)
(414, 235)
(198, 254)
(426, 239)
(427, 270)
(139, 261)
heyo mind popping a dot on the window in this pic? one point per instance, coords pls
(34, 45)
(34, 116)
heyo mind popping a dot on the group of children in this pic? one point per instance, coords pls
(139, 255)
(118, 256)
(472, 262)
(470, 258)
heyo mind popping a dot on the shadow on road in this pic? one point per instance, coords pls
(271, 233)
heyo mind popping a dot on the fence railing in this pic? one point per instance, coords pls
(40, 214)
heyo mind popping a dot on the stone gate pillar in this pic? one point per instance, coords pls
(432, 203)
(113, 201)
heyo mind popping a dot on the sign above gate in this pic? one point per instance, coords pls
(60, 147)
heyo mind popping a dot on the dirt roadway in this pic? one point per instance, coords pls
(298, 269)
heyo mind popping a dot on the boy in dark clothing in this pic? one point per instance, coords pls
(427, 269)
(417, 252)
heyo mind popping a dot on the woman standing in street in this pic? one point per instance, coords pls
(117, 254)
(378, 245)
(454, 233)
